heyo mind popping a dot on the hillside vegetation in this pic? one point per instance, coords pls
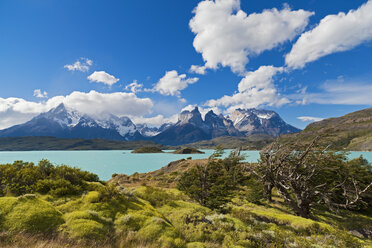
(147, 149)
(352, 132)
(52, 143)
(252, 142)
(188, 150)
(59, 206)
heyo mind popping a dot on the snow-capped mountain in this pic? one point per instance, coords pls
(63, 122)
(191, 127)
(147, 131)
(260, 121)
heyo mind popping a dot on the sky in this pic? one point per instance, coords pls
(149, 60)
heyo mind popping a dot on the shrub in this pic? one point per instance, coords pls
(59, 187)
(87, 225)
(155, 196)
(131, 222)
(29, 214)
(212, 185)
(196, 245)
(157, 230)
(254, 191)
(24, 178)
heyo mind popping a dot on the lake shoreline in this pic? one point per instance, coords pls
(105, 163)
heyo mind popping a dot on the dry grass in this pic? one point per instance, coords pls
(165, 177)
(24, 240)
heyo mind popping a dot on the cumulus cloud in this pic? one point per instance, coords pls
(102, 77)
(154, 121)
(117, 103)
(309, 119)
(227, 36)
(202, 70)
(334, 33)
(17, 110)
(82, 64)
(254, 90)
(172, 83)
(40, 94)
(134, 87)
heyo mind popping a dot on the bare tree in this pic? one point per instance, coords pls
(305, 175)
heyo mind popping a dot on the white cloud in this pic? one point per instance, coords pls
(350, 91)
(227, 36)
(117, 103)
(335, 33)
(102, 77)
(40, 94)
(154, 121)
(198, 69)
(83, 65)
(134, 87)
(309, 119)
(172, 83)
(254, 90)
(17, 110)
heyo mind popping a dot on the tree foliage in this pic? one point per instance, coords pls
(23, 178)
(212, 184)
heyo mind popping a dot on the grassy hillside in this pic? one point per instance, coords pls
(253, 142)
(128, 212)
(352, 132)
(52, 143)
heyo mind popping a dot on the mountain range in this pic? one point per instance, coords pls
(64, 122)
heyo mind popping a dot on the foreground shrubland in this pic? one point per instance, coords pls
(48, 206)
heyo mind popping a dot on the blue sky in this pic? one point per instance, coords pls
(304, 59)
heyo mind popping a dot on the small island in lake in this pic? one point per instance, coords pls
(148, 149)
(188, 150)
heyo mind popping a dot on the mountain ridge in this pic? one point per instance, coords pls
(351, 132)
(64, 122)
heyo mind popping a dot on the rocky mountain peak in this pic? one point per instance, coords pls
(190, 117)
(64, 116)
(252, 121)
(213, 120)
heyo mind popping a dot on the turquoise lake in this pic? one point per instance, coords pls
(106, 163)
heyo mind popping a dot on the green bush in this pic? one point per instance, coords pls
(196, 245)
(213, 184)
(26, 178)
(131, 221)
(254, 191)
(155, 196)
(87, 225)
(59, 187)
(29, 214)
(157, 230)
